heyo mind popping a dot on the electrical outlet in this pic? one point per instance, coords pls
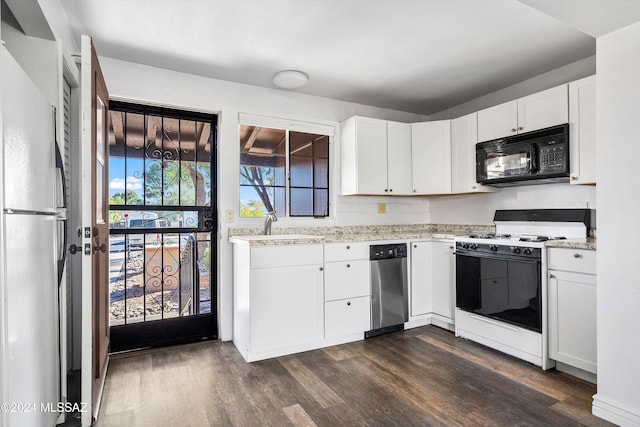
(229, 215)
(382, 208)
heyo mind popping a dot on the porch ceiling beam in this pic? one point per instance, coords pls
(251, 138)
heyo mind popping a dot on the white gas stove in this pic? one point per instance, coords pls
(501, 280)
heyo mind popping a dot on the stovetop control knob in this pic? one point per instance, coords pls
(494, 248)
(527, 251)
(474, 246)
(465, 246)
(515, 250)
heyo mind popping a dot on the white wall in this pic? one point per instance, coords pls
(136, 82)
(574, 71)
(618, 151)
(479, 208)
(37, 57)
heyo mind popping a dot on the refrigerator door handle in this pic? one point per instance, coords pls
(63, 252)
(60, 166)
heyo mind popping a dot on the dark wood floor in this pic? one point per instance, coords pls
(424, 376)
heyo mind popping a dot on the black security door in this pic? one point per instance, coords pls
(162, 224)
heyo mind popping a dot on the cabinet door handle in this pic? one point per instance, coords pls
(551, 276)
(348, 265)
(520, 128)
(348, 247)
(450, 247)
(513, 129)
(386, 190)
(348, 302)
(391, 189)
(577, 255)
(321, 268)
(415, 246)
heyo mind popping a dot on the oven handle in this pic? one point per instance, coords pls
(500, 257)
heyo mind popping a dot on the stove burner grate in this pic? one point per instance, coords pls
(540, 238)
(490, 236)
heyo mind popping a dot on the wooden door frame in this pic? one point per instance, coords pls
(95, 262)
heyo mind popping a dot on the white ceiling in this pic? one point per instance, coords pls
(419, 56)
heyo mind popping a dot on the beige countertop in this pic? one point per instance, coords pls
(588, 243)
(320, 235)
(380, 233)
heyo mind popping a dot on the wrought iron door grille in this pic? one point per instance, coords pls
(162, 215)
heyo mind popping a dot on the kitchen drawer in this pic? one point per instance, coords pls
(347, 316)
(346, 279)
(578, 260)
(346, 251)
(286, 255)
(501, 336)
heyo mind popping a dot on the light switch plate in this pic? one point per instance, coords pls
(382, 208)
(229, 215)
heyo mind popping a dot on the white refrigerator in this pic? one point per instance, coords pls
(29, 227)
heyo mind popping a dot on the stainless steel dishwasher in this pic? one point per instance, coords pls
(389, 301)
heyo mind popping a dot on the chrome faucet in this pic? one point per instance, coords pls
(271, 218)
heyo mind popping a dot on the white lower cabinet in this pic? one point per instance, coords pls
(421, 281)
(433, 280)
(347, 308)
(444, 280)
(346, 317)
(572, 308)
(286, 307)
(278, 300)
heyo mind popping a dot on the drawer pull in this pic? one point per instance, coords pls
(577, 255)
(348, 247)
(348, 265)
(348, 302)
(415, 246)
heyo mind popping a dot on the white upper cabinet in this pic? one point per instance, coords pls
(366, 165)
(498, 121)
(364, 169)
(398, 158)
(538, 111)
(582, 130)
(431, 157)
(464, 136)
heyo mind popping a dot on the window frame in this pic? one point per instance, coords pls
(291, 125)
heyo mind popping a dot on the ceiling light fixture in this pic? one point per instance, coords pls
(290, 79)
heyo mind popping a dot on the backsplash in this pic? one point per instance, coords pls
(480, 208)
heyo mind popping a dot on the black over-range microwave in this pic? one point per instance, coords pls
(536, 157)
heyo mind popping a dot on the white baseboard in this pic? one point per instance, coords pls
(615, 412)
(430, 319)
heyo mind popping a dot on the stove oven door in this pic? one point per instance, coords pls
(501, 287)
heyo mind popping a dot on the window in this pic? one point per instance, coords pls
(284, 171)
